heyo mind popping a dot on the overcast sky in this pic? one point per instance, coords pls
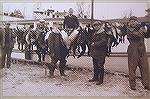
(102, 10)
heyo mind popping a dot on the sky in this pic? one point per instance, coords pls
(102, 10)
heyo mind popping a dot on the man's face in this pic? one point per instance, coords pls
(97, 26)
(7, 25)
(70, 11)
(133, 23)
(60, 27)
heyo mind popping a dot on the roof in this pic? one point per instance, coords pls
(84, 21)
(60, 13)
(125, 20)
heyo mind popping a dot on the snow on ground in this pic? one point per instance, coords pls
(31, 80)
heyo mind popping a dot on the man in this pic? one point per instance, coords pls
(1, 46)
(89, 32)
(42, 30)
(98, 52)
(137, 53)
(58, 51)
(71, 21)
(70, 25)
(31, 37)
(9, 40)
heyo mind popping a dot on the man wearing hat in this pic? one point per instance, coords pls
(8, 44)
(137, 53)
(98, 52)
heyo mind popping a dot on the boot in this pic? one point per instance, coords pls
(93, 79)
(147, 88)
(62, 72)
(39, 58)
(101, 76)
(133, 88)
(62, 65)
(51, 71)
(99, 82)
(51, 74)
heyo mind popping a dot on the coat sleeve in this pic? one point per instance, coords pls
(1, 37)
(77, 22)
(64, 23)
(102, 42)
(51, 43)
(137, 34)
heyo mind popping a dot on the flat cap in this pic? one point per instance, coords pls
(133, 18)
(7, 23)
(97, 23)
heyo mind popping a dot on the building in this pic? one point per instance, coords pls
(53, 18)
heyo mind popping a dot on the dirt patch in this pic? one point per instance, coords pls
(23, 80)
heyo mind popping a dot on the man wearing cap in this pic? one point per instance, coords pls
(137, 53)
(41, 31)
(58, 51)
(41, 27)
(98, 52)
(8, 44)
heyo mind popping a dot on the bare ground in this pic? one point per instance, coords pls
(31, 80)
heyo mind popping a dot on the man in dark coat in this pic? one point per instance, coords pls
(8, 45)
(58, 51)
(1, 46)
(71, 21)
(137, 53)
(89, 31)
(98, 52)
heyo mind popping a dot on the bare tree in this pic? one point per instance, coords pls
(83, 9)
(130, 13)
(124, 14)
(127, 13)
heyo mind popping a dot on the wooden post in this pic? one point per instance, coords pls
(92, 11)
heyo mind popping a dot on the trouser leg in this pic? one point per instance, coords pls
(44, 53)
(89, 48)
(83, 46)
(52, 66)
(2, 63)
(100, 70)
(132, 65)
(144, 70)
(95, 69)
(95, 65)
(38, 51)
(3, 57)
(43, 58)
(62, 67)
(39, 57)
(8, 52)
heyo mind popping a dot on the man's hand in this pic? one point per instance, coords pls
(51, 54)
(92, 44)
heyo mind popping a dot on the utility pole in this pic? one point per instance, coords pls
(92, 11)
